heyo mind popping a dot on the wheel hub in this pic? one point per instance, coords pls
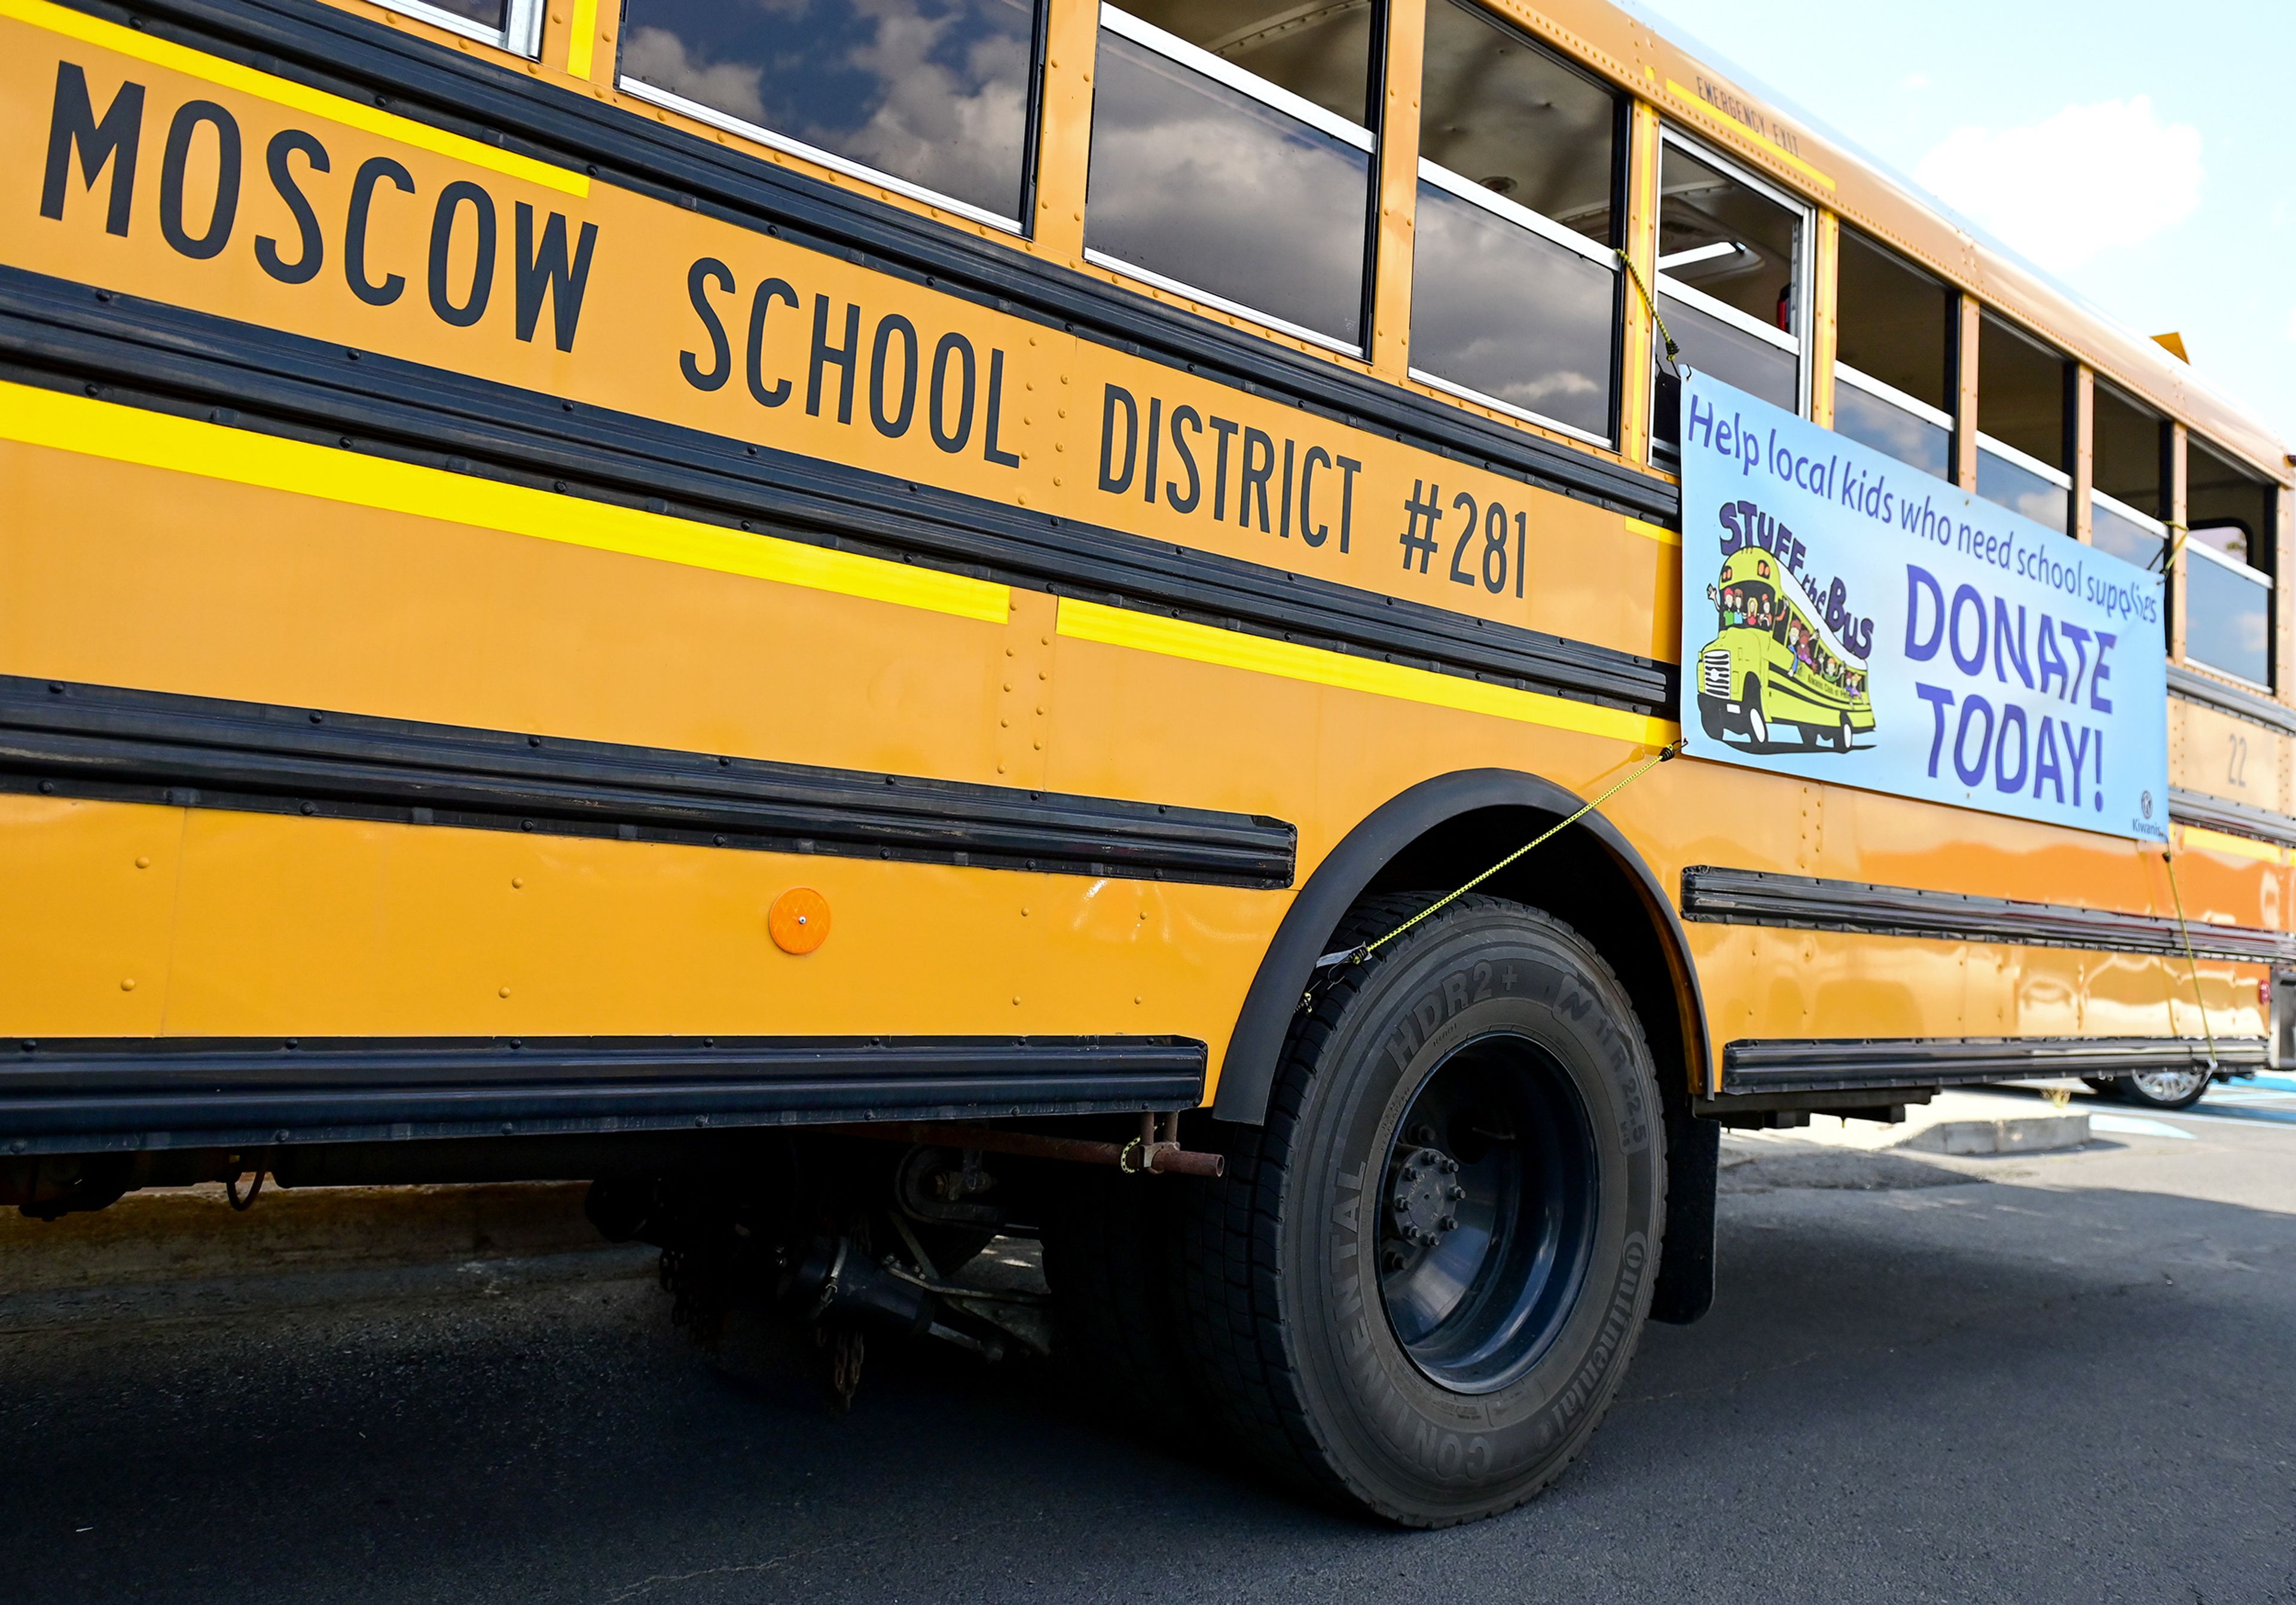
(1422, 1210)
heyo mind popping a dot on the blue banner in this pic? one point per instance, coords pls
(1846, 617)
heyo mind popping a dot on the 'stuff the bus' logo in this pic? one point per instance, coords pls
(1777, 674)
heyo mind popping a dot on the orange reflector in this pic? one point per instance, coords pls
(799, 920)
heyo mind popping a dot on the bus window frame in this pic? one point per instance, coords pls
(789, 145)
(1555, 234)
(1912, 405)
(1277, 99)
(2122, 510)
(521, 34)
(1804, 269)
(2005, 453)
(2190, 549)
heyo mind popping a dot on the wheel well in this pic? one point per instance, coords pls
(1436, 837)
(1572, 878)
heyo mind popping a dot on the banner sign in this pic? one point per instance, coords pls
(1846, 617)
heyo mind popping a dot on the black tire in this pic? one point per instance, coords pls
(1711, 718)
(2179, 1088)
(1756, 721)
(1311, 1370)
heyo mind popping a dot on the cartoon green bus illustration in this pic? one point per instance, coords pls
(1775, 667)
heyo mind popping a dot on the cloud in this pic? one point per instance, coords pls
(657, 56)
(2081, 181)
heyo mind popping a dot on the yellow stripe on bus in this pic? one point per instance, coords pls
(1690, 98)
(582, 46)
(283, 92)
(127, 434)
(1233, 649)
(1656, 532)
(2200, 839)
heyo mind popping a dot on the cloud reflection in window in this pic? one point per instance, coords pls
(931, 91)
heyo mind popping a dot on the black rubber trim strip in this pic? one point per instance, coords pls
(75, 1094)
(2231, 699)
(2234, 818)
(1728, 896)
(1842, 1063)
(145, 353)
(154, 747)
(314, 43)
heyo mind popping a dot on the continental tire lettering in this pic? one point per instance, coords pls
(109, 143)
(1617, 1325)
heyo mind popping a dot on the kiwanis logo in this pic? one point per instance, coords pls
(2146, 803)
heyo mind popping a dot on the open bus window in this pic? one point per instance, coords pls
(2228, 563)
(1731, 276)
(1250, 192)
(2128, 444)
(1894, 330)
(1514, 288)
(927, 97)
(2022, 440)
(513, 25)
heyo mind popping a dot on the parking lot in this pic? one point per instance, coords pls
(2055, 1377)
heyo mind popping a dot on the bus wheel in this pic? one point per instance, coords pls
(2161, 1089)
(1844, 736)
(1710, 717)
(1758, 727)
(1417, 1289)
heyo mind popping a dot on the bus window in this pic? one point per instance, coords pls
(1730, 274)
(512, 25)
(927, 97)
(1894, 357)
(2022, 449)
(1251, 192)
(1514, 286)
(2127, 442)
(2228, 566)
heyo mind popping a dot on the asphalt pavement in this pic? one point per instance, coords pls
(2057, 1377)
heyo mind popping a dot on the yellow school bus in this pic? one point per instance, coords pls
(1773, 662)
(872, 625)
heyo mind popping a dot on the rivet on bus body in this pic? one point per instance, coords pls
(1016, 1000)
(142, 863)
(504, 993)
(518, 883)
(128, 985)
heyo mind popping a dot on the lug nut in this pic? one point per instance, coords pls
(1457, 1192)
(1450, 1222)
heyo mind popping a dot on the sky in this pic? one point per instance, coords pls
(2142, 155)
